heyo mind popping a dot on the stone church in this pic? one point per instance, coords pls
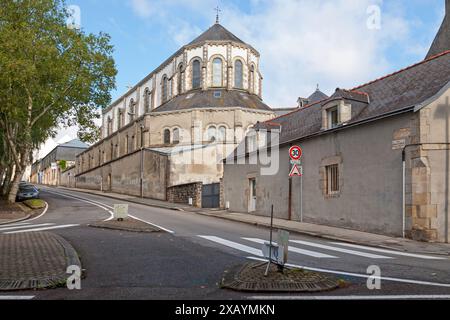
(166, 137)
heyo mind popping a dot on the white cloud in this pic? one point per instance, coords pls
(302, 42)
(142, 8)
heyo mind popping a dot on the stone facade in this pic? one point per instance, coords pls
(182, 194)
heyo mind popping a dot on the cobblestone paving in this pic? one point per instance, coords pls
(34, 260)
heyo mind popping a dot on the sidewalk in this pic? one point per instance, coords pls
(326, 232)
(34, 260)
(10, 213)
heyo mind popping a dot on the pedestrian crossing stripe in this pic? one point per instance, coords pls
(43, 229)
(25, 226)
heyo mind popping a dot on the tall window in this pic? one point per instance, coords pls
(180, 79)
(217, 73)
(176, 135)
(196, 74)
(332, 179)
(167, 136)
(238, 74)
(164, 88)
(212, 133)
(222, 137)
(121, 118)
(132, 110)
(333, 118)
(147, 100)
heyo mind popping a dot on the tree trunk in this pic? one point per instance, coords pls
(7, 181)
(15, 185)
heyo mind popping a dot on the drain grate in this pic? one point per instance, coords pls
(250, 277)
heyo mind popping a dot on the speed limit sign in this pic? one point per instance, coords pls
(295, 153)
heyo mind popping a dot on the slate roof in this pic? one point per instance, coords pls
(400, 91)
(205, 99)
(442, 41)
(216, 33)
(317, 96)
(75, 143)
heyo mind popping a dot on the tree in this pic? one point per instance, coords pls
(50, 75)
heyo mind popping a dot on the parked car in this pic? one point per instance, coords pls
(26, 192)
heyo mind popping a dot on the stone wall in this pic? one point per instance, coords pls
(68, 178)
(124, 175)
(182, 193)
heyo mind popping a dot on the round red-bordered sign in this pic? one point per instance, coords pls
(295, 152)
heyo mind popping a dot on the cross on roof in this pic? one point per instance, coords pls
(217, 9)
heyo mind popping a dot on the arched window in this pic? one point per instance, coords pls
(176, 135)
(167, 136)
(180, 79)
(222, 134)
(164, 88)
(121, 118)
(147, 100)
(196, 74)
(252, 79)
(109, 126)
(238, 75)
(132, 110)
(212, 133)
(217, 73)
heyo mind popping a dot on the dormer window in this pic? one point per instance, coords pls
(333, 117)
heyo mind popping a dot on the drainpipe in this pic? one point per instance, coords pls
(142, 173)
(404, 192)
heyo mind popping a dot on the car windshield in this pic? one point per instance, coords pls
(28, 188)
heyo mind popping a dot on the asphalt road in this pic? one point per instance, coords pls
(188, 260)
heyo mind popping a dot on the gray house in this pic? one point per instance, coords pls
(376, 158)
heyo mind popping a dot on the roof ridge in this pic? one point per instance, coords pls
(402, 70)
(299, 109)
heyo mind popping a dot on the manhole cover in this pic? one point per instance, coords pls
(250, 277)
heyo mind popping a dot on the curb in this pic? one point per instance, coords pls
(266, 225)
(72, 259)
(127, 200)
(15, 221)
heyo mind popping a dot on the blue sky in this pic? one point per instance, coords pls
(302, 42)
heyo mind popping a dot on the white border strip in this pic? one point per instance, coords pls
(16, 297)
(152, 224)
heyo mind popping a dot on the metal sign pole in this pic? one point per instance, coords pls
(270, 248)
(301, 198)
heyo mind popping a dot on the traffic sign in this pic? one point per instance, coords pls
(295, 152)
(296, 171)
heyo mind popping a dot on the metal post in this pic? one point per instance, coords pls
(403, 193)
(301, 198)
(270, 248)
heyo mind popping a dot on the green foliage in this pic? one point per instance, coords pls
(35, 203)
(63, 164)
(50, 75)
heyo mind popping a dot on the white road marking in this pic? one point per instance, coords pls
(14, 224)
(42, 214)
(399, 253)
(26, 226)
(296, 250)
(104, 206)
(360, 275)
(353, 252)
(44, 229)
(234, 245)
(374, 297)
(152, 224)
(16, 297)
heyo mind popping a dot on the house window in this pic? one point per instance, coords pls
(196, 74)
(238, 75)
(167, 136)
(332, 172)
(217, 72)
(333, 118)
